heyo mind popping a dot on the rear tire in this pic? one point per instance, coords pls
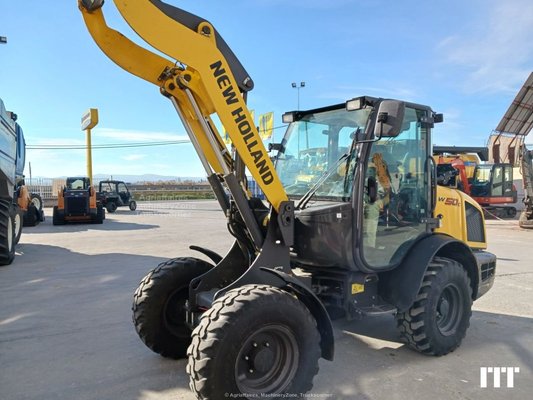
(437, 321)
(133, 205)
(111, 207)
(7, 233)
(159, 306)
(255, 339)
(31, 216)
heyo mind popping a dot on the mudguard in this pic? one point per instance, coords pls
(400, 286)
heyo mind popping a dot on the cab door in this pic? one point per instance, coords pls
(395, 217)
(123, 193)
(502, 183)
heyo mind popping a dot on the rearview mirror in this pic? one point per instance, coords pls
(390, 118)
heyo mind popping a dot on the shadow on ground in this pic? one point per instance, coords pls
(66, 330)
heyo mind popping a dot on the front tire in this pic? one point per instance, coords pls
(159, 306)
(437, 321)
(255, 339)
(58, 216)
(100, 215)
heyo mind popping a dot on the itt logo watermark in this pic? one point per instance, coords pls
(497, 376)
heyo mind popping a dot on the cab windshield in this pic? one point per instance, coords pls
(317, 152)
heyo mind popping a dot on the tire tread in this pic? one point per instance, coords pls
(218, 318)
(411, 323)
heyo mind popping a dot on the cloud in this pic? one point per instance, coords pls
(136, 136)
(496, 55)
(134, 157)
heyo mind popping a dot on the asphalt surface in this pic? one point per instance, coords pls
(66, 330)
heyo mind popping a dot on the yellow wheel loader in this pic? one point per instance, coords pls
(354, 223)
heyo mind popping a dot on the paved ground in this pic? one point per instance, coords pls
(66, 331)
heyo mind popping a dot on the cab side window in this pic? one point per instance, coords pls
(392, 218)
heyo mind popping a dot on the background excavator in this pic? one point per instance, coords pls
(490, 184)
(507, 143)
(367, 232)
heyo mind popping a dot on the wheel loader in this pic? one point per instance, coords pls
(353, 225)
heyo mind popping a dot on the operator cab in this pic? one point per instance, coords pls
(78, 183)
(358, 176)
(494, 181)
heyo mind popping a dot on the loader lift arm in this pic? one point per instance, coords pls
(205, 79)
(201, 82)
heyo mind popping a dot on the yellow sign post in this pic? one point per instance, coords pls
(88, 121)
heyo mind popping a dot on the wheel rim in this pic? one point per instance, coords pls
(174, 313)
(268, 361)
(18, 224)
(10, 234)
(449, 310)
(36, 202)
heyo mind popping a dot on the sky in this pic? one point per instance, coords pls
(464, 58)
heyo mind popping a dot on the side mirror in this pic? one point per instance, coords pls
(390, 118)
(275, 147)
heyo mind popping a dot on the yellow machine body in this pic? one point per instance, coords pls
(450, 208)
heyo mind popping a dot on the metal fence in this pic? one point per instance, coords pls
(48, 188)
(45, 187)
